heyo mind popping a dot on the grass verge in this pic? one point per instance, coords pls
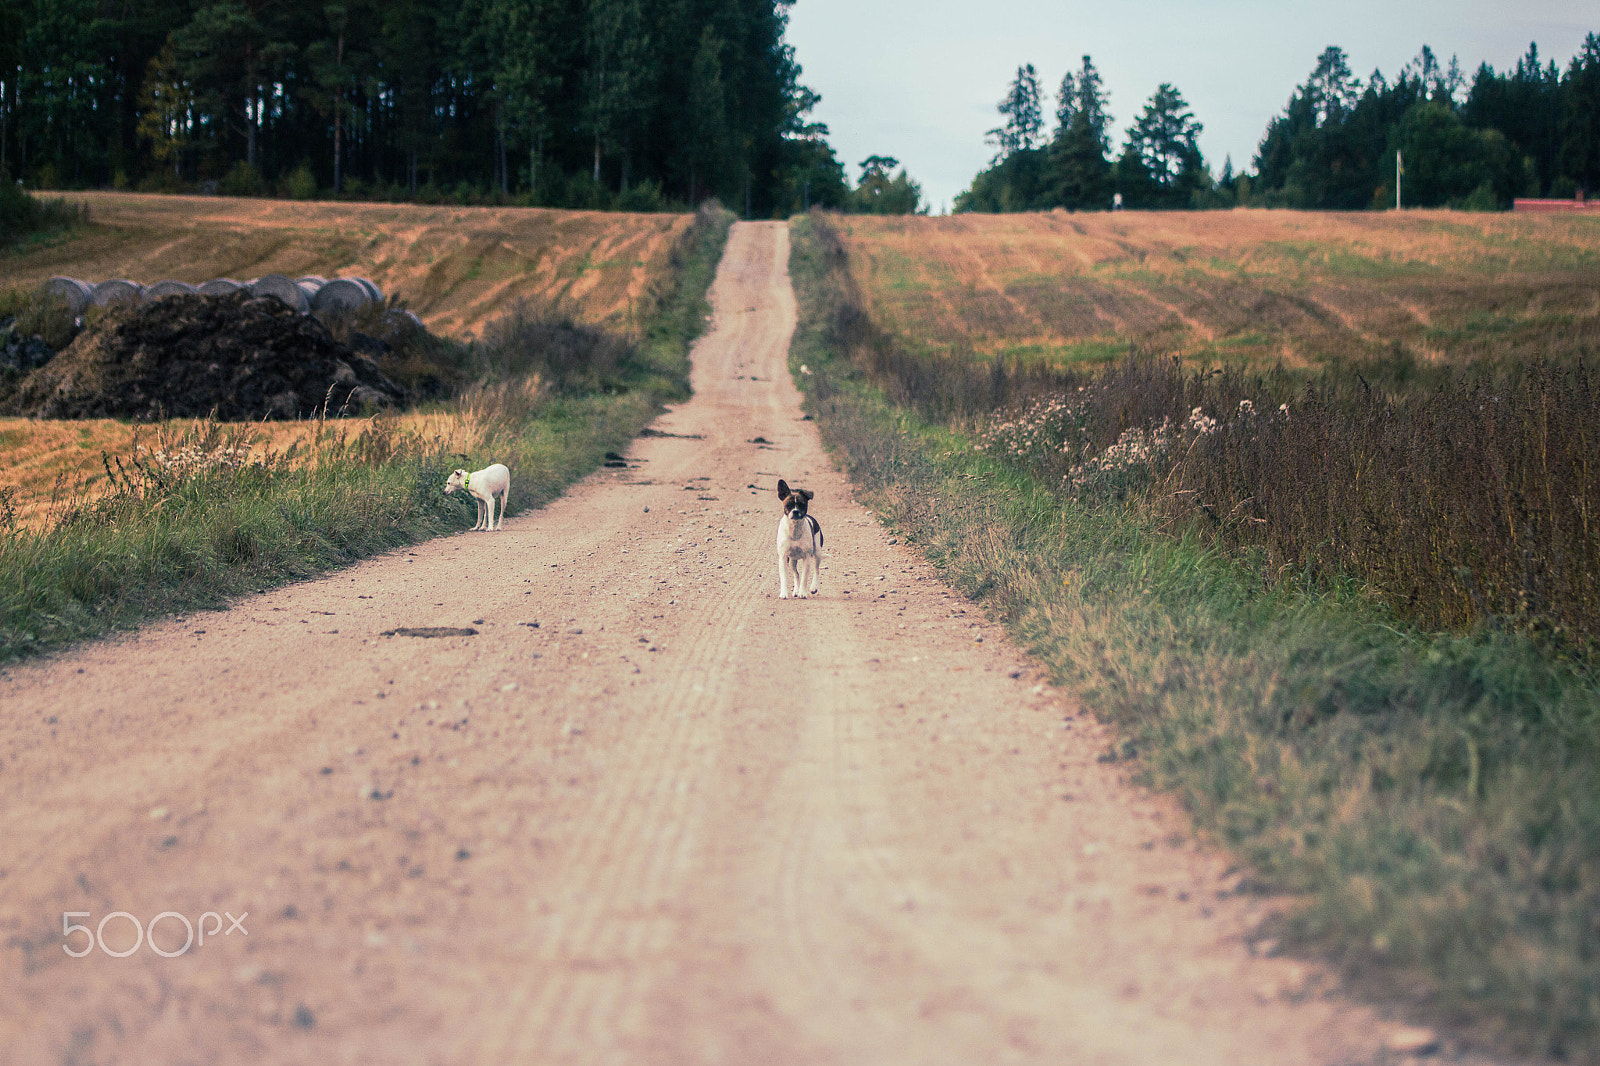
(201, 525)
(1433, 801)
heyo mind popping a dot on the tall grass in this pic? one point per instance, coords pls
(194, 521)
(1433, 799)
(1458, 495)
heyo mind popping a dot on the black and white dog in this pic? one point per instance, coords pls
(799, 542)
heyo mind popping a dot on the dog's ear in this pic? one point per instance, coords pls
(783, 489)
(807, 493)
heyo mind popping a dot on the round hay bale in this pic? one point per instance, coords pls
(76, 293)
(168, 288)
(341, 294)
(372, 287)
(309, 288)
(316, 279)
(219, 287)
(285, 289)
(116, 290)
(399, 325)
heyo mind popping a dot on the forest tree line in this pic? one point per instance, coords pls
(1474, 143)
(581, 103)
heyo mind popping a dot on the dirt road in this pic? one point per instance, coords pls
(676, 821)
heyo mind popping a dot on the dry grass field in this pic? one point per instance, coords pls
(457, 267)
(47, 467)
(1250, 286)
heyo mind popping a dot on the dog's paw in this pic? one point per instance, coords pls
(783, 595)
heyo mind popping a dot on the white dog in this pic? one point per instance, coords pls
(799, 542)
(484, 485)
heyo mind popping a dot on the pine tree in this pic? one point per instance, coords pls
(337, 62)
(230, 51)
(1332, 90)
(165, 105)
(615, 46)
(1580, 117)
(1165, 140)
(1078, 154)
(1023, 120)
(708, 118)
(881, 191)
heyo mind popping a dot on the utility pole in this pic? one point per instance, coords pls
(1399, 169)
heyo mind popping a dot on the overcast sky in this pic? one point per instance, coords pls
(919, 79)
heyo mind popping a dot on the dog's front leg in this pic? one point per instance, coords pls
(799, 578)
(479, 523)
(783, 574)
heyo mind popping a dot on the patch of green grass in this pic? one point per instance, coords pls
(166, 542)
(1434, 799)
(1088, 352)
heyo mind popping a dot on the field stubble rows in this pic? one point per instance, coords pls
(1258, 287)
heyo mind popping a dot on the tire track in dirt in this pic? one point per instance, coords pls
(841, 830)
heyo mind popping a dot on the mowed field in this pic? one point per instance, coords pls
(1252, 286)
(457, 267)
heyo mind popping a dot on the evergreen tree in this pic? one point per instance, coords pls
(1166, 142)
(883, 192)
(165, 105)
(1078, 159)
(337, 62)
(710, 137)
(1526, 107)
(1023, 120)
(614, 75)
(1332, 89)
(229, 52)
(1580, 117)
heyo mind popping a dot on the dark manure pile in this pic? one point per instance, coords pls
(237, 357)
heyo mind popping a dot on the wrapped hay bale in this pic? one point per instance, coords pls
(116, 290)
(168, 288)
(342, 296)
(282, 288)
(76, 294)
